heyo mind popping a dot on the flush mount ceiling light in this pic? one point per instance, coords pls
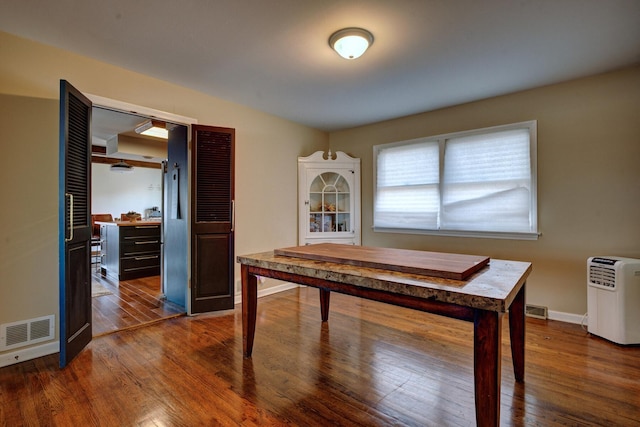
(121, 167)
(153, 128)
(351, 43)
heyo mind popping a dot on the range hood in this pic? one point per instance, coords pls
(128, 147)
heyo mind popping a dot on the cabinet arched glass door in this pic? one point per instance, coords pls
(329, 204)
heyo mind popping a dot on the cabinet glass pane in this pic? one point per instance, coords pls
(343, 222)
(342, 185)
(329, 223)
(315, 223)
(329, 204)
(343, 202)
(321, 181)
(315, 202)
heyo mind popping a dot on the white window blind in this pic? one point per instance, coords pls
(487, 182)
(408, 193)
(479, 181)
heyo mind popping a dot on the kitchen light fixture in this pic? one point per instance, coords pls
(153, 128)
(121, 167)
(351, 43)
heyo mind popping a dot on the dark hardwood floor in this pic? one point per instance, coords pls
(131, 303)
(371, 365)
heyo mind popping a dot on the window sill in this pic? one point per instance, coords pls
(456, 233)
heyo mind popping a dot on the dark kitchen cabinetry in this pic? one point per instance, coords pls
(132, 250)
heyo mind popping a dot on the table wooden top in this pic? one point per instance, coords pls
(438, 264)
(493, 287)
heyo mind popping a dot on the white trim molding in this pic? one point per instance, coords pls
(125, 107)
(269, 291)
(24, 354)
(565, 317)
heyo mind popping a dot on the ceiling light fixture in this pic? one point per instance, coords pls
(351, 43)
(153, 128)
(121, 167)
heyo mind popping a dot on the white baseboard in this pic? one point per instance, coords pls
(21, 355)
(268, 291)
(566, 317)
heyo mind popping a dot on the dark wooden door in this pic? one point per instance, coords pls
(175, 217)
(74, 222)
(212, 219)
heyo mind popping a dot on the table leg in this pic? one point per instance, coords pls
(324, 304)
(487, 359)
(517, 332)
(249, 306)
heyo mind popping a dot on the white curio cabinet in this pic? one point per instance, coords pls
(329, 199)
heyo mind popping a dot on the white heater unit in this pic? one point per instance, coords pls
(614, 298)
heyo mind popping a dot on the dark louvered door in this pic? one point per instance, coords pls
(74, 222)
(212, 159)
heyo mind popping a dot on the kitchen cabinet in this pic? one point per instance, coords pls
(329, 199)
(131, 249)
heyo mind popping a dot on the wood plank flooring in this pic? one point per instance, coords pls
(131, 303)
(371, 365)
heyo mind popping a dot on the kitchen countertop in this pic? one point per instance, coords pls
(130, 223)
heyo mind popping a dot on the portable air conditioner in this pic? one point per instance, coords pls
(613, 298)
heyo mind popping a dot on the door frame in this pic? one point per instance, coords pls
(125, 107)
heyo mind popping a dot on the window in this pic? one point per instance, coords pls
(475, 183)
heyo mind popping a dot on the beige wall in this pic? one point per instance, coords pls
(588, 170)
(267, 148)
(588, 178)
(29, 208)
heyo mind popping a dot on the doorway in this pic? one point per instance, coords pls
(120, 302)
(203, 199)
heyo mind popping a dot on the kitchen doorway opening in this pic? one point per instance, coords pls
(123, 300)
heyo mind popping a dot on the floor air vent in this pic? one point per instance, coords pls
(536, 311)
(26, 332)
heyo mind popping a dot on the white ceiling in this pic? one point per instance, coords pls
(273, 55)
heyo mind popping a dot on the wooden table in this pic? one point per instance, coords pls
(482, 298)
